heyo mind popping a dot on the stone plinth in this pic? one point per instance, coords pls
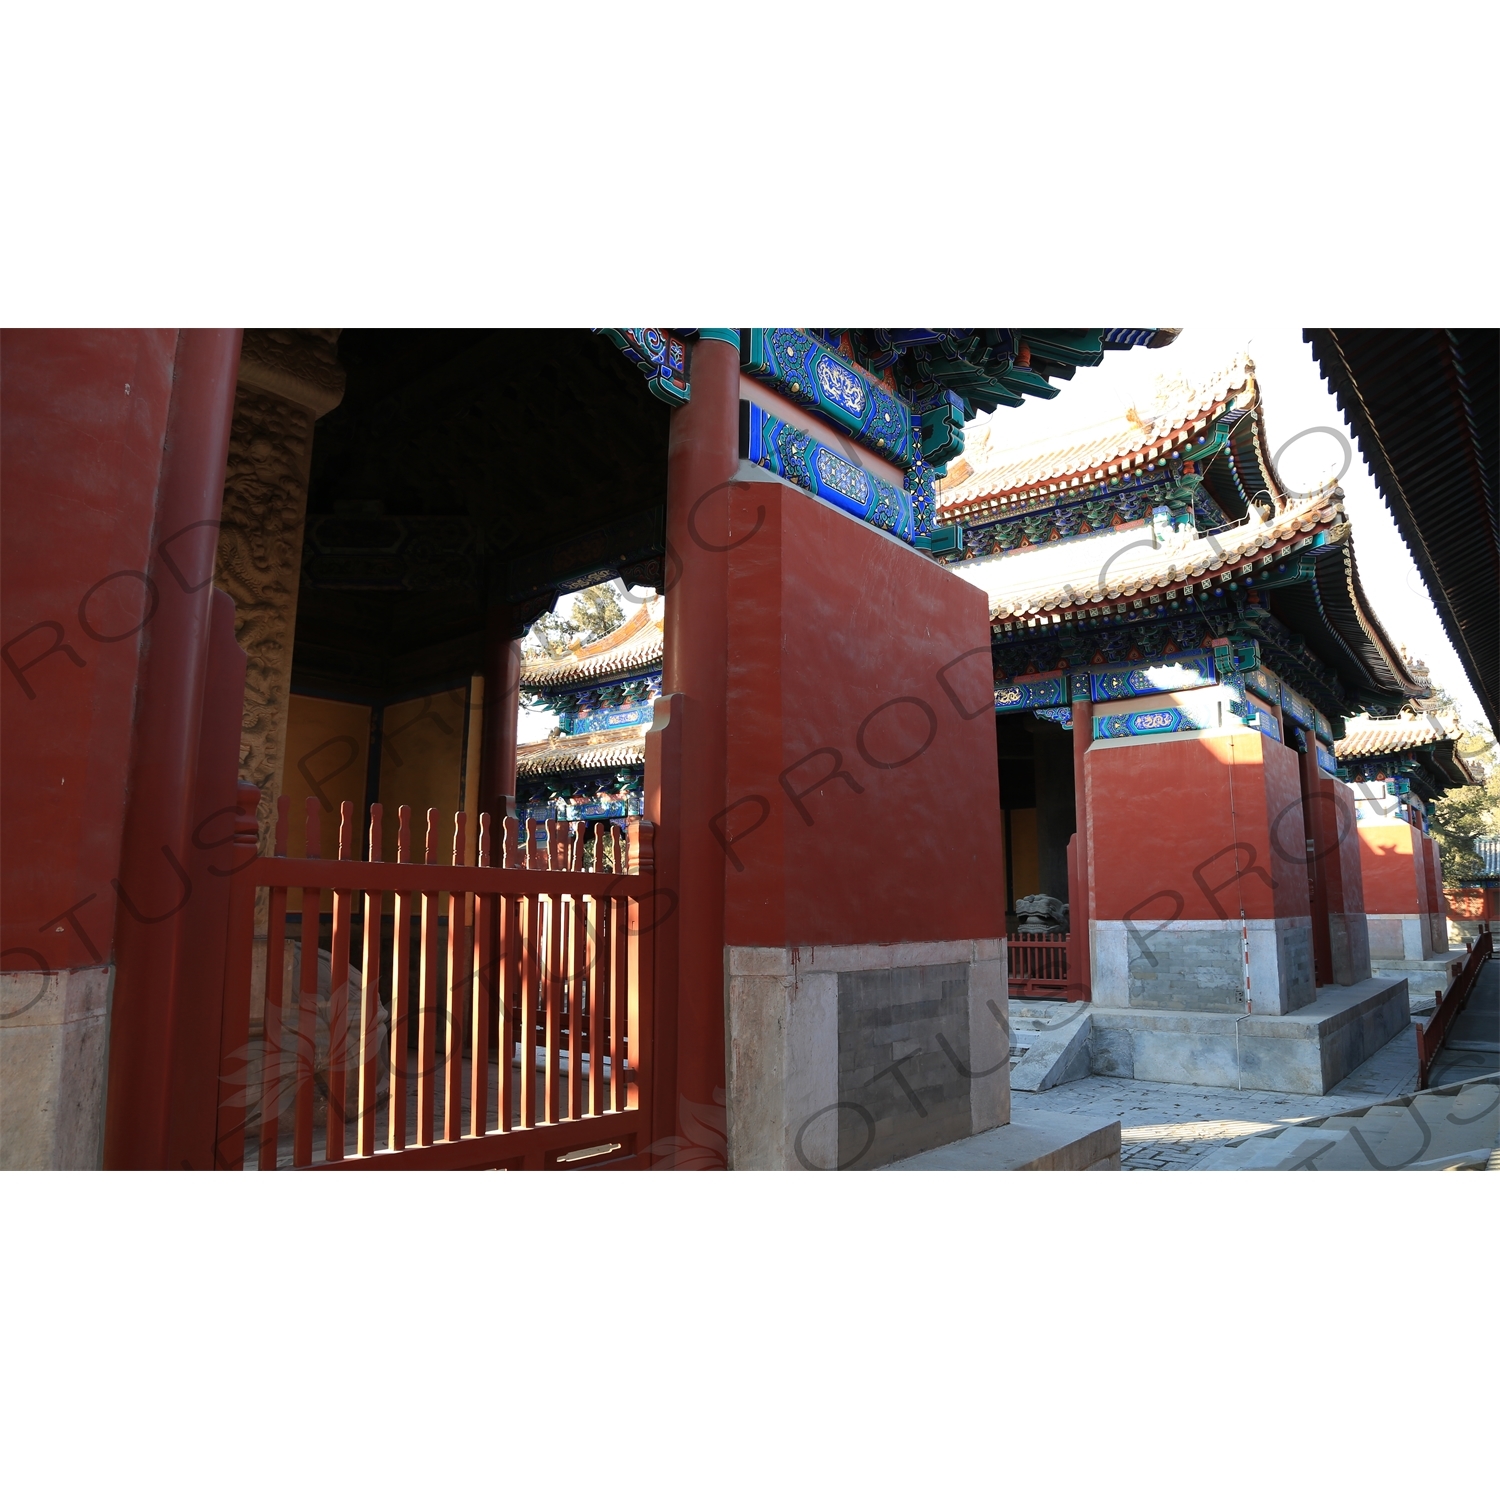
(1192, 837)
(1035, 1140)
(1306, 1052)
(854, 1056)
(855, 835)
(53, 1069)
(1401, 899)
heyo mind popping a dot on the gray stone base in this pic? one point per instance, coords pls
(1306, 1052)
(1424, 977)
(1049, 1044)
(54, 1064)
(1409, 935)
(1200, 965)
(853, 1056)
(1036, 1140)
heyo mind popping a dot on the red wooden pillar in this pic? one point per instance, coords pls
(1078, 866)
(502, 699)
(154, 885)
(1318, 854)
(213, 859)
(703, 454)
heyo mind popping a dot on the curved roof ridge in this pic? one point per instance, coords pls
(1366, 736)
(983, 473)
(635, 644)
(1068, 577)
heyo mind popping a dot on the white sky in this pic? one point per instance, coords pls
(1295, 399)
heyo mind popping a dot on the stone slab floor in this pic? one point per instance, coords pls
(1168, 1127)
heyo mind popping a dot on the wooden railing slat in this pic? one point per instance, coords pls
(481, 988)
(598, 970)
(338, 998)
(427, 1002)
(528, 962)
(369, 1003)
(577, 984)
(307, 994)
(508, 967)
(239, 963)
(400, 993)
(556, 922)
(272, 1062)
(456, 1001)
(306, 1031)
(619, 996)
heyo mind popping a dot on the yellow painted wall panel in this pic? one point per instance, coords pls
(327, 757)
(421, 765)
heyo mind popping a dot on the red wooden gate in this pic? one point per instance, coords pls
(503, 1009)
(1041, 964)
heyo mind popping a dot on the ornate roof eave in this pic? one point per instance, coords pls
(1421, 741)
(604, 750)
(635, 647)
(1196, 428)
(937, 378)
(1341, 598)
(1191, 566)
(1421, 405)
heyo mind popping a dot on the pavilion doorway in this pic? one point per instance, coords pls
(1037, 802)
(449, 486)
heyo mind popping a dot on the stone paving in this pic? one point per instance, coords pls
(1168, 1127)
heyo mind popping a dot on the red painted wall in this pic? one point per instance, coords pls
(1419, 865)
(1432, 880)
(1391, 867)
(1346, 888)
(868, 806)
(1160, 826)
(82, 420)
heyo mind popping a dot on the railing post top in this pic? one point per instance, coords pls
(640, 850)
(247, 815)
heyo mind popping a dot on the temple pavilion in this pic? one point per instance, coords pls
(1414, 754)
(1396, 768)
(1179, 640)
(592, 766)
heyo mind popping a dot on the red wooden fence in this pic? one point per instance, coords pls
(1040, 964)
(530, 961)
(1430, 1038)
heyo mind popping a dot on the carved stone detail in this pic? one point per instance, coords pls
(287, 379)
(298, 366)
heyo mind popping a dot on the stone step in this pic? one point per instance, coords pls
(1259, 1154)
(1058, 1054)
(1450, 1130)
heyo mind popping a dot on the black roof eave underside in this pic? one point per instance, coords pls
(1422, 404)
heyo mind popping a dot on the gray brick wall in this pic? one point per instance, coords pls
(902, 1017)
(1294, 952)
(1187, 969)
